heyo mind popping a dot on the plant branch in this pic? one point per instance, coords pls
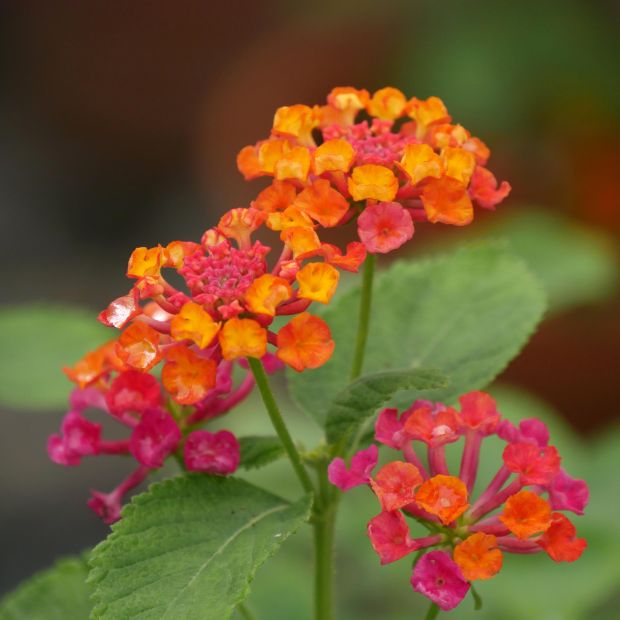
(279, 425)
(364, 317)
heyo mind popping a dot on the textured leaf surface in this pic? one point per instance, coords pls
(58, 593)
(467, 313)
(354, 407)
(188, 549)
(35, 343)
(259, 451)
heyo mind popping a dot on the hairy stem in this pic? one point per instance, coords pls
(278, 423)
(364, 317)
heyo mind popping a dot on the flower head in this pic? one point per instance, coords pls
(336, 167)
(470, 533)
(170, 369)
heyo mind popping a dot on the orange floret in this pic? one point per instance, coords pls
(176, 251)
(420, 162)
(146, 262)
(248, 164)
(349, 261)
(283, 160)
(300, 240)
(480, 150)
(446, 200)
(297, 121)
(322, 203)
(333, 155)
(242, 338)
(318, 282)
(305, 342)
(560, 541)
(138, 346)
(478, 556)
(426, 113)
(395, 484)
(266, 293)
(387, 103)
(277, 197)
(186, 376)
(270, 153)
(348, 101)
(194, 323)
(373, 181)
(94, 364)
(459, 164)
(526, 514)
(240, 223)
(212, 237)
(443, 496)
(295, 164)
(291, 217)
(445, 134)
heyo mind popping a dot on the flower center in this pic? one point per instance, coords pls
(224, 275)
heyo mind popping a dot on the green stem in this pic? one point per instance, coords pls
(278, 424)
(364, 317)
(324, 525)
(244, 612)
(433, 612)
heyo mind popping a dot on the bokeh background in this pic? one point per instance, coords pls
(121, 123)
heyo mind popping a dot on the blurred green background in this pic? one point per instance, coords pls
(121, 125)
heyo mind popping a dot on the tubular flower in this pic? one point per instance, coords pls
(469, 534)
(407, 152)
(170, 370)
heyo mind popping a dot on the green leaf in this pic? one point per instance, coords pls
(467, 313)
(189, 548)
(576, 265)
(35, 343)
(259, 451)
(58, 593)
(356, 405)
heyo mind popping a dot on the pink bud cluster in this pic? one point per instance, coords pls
(157, 430)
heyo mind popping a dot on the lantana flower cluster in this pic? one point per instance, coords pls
(383, 160)
(464, 537)
(171, 368)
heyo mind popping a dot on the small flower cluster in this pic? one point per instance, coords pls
(465, 539)
(222, 317)
(404, 162)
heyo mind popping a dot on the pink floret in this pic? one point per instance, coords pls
(439, 578)
(212, 453)
(359, 473)
(154, 438)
